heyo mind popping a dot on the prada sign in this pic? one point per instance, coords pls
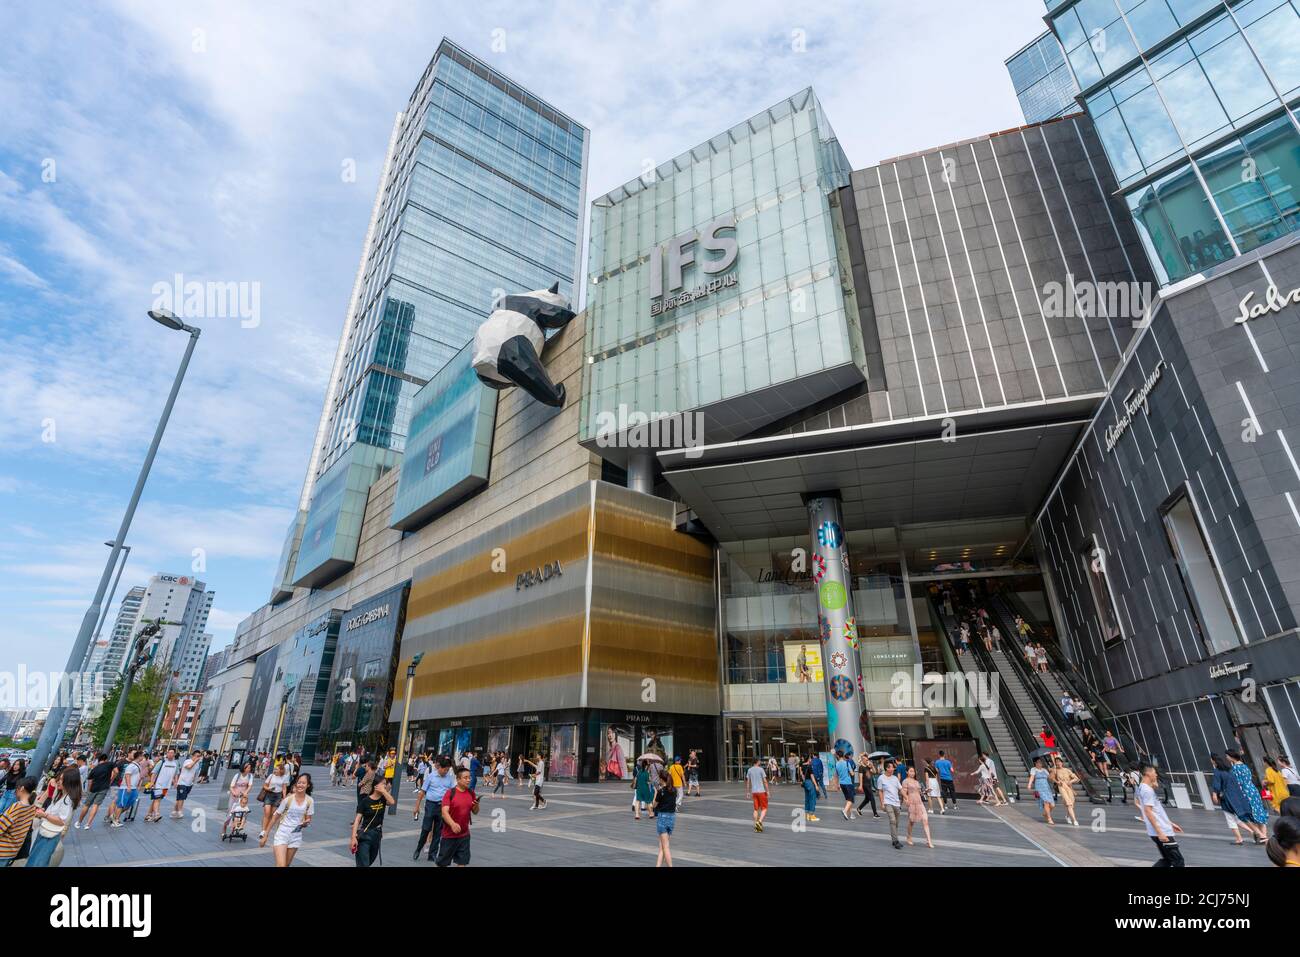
(536, 576)
(680, 253)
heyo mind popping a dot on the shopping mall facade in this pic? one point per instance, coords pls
(804, 400)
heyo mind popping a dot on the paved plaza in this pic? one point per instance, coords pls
(591, 825)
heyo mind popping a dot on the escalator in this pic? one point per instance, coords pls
(1027, 703)
(1064, 677)
(1003, 734)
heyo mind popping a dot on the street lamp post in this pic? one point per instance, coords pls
(135, 662)
(226, 736)
(172, 675)
(83, 674)
(53, 729)
(401, 737)
(223, 801)
(279, 726)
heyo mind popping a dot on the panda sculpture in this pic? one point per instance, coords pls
(508, 345)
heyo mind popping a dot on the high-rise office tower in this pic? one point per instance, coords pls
(1194, 101)
(1042, 79)
(109, 659)
(482, 193)
(183, 602)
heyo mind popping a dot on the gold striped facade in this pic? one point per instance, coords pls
(625, 619)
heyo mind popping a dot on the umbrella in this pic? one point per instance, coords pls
(876, 755)
(651, 756)
(1042, 753)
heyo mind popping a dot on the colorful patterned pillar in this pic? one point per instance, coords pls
(829, 564)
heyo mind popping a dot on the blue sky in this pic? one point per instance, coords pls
(142, 140)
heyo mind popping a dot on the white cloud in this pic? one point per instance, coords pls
(224, 165)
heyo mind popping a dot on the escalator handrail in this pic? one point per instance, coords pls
(1073, 681)
(1009, 780)
(1021, 733)
(1066, 740)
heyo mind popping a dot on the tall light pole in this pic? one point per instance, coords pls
(226, 735)
(53, 729)
(279, 725)
(94, 641)
(172, 675)
(108, 605)
(401, 736)
(223, 802)
(137, 658)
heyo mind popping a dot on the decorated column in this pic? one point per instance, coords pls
(829, 564)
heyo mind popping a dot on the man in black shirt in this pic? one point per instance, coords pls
(98, 781)
(368, 825)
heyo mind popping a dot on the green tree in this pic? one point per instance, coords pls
(141, 709)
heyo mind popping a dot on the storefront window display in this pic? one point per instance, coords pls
(498, 740)
(770, 622)
(464, 737)
(657, 740)
(564, 752)
(616, 751)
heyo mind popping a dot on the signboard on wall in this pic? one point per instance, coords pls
(803, 663)
(449, 446)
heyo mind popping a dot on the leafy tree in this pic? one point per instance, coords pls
(138, 715)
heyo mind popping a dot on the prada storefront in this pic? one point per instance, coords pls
(582, 630)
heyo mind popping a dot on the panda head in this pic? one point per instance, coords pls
(546, 307)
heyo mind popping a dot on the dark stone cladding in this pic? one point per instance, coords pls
(1200, 437)
(951, 251)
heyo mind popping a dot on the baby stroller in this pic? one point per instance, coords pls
(234, 826)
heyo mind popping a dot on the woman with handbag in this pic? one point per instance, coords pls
(274, 789)
(642, 793)
(291, 817)
(55, 820)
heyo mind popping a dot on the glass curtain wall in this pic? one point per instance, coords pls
(1196, 113)
(774, 699)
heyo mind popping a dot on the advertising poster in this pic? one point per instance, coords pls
(463, 736)
(498, 740)
(657, 741)
(564, 751)
(445, 741)
(616, 744)
(803, 663)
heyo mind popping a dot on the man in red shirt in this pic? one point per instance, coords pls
(458, 805)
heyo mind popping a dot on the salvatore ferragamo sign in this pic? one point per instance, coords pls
(1273, 301)
(1134, 402)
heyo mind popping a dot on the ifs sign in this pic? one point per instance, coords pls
(680, 253)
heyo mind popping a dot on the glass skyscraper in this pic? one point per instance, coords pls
(482, 193)
(1194, 101)
(1042, 79)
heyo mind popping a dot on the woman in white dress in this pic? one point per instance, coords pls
(293, 814)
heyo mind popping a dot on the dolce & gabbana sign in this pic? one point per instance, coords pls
(366, 618)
